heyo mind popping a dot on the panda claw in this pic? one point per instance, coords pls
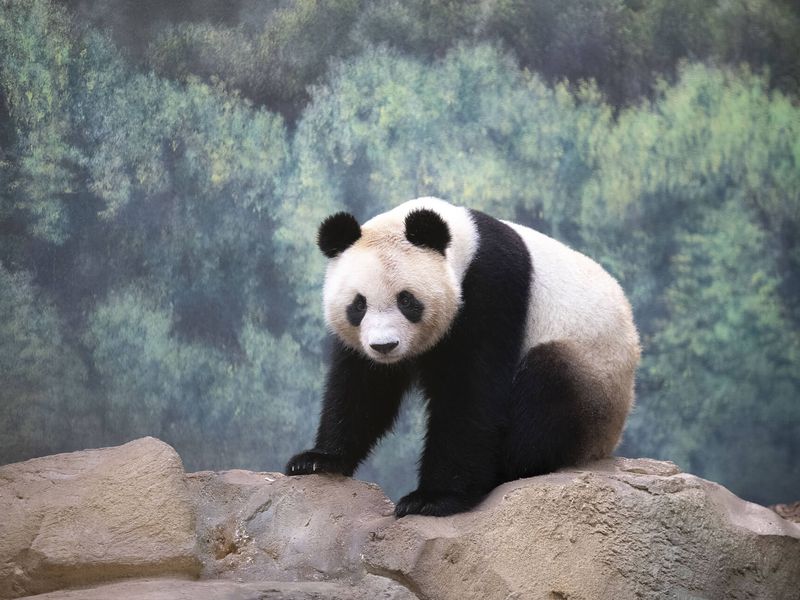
(435, 504)
(315, 461)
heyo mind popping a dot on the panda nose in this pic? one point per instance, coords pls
(384, 348)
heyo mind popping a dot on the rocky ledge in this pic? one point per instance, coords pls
(127, 522)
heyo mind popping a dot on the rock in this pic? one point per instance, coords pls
(618, 528)
(95, 515)
(790, 511)
(260, 526)
(614, 529)
(369, 588)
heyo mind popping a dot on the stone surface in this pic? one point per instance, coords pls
(788, 511)
(269, 526)
(616, 529)
(369, 588)
(94, 515)
(620, 528)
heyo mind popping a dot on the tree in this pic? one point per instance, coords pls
(177, 266)
(688, 202)
(35, 75)
(271, 62)
(216, 411)
(472, 128)
(721, 374)
(44, 400)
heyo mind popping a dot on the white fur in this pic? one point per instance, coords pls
(463, 232)
(572, 297)
(381, 264)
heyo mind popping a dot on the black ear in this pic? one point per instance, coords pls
(337, 233)
(427, 229)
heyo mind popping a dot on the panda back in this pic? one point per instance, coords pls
(571, 296)
(574, 298)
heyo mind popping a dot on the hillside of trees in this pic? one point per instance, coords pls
(164, 166)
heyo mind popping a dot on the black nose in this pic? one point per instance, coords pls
(384, 348)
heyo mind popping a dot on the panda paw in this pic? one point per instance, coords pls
(315, 461)
(435, 504)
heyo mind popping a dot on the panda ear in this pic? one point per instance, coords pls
(427, 229)
(337, 233)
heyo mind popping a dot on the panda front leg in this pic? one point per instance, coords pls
(461, 461)
(361, 402)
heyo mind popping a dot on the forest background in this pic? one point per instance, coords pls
(164, 166)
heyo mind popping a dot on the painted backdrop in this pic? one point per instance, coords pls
(164, 165)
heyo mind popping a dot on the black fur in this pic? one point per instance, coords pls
(411, 308)
(361, 402)
(547, 426)
(356, 310)
(425, 228)
(490, 417)
(337, 233)
(467, 377)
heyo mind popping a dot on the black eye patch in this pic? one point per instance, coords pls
(411, 308)
(356, 310)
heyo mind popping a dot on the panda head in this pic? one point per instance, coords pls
(389, 291)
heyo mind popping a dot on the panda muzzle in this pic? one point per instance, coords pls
(384, 348)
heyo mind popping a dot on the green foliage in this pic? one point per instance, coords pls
(44, 401)
(722, 369)
(472, 126)
(760, 33)
(273, 53)
(209, 171)
(620, 44)
(36, 78)
(158, 273)
(422, 28)
(219, 412)
(712, 136)
(180, 191)
(271, 64)
(712, 166)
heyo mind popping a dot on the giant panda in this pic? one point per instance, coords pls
(524, 349)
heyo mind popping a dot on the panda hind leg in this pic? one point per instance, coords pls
(553, 413)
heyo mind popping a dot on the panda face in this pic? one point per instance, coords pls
(389, 299)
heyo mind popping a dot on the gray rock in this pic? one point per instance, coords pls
(268, 526)
(369, 588)
(615, 529)
(790, 512)
(72, 519)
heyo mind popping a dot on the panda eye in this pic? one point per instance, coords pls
(410, 307)
(356, 310)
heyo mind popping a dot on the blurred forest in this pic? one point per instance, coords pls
(164, 166)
